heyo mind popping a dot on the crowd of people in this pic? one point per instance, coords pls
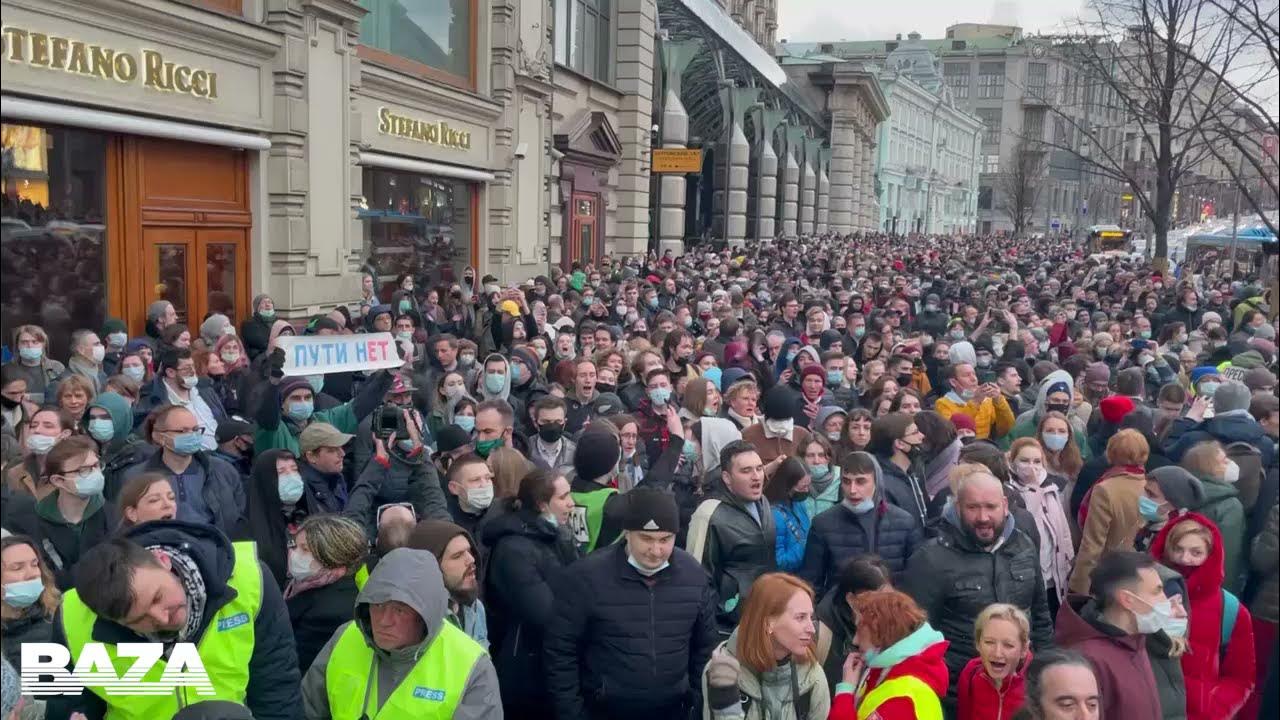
(826, 478)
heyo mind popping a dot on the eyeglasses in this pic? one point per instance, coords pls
(184, 431)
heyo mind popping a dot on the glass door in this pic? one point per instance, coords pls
(584, 238)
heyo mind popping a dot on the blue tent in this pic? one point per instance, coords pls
(1249, 237)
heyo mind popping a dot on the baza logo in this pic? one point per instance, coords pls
(44, 670)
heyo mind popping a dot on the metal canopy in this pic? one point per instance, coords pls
(746, 64)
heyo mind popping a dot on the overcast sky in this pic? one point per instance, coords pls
(812, 20)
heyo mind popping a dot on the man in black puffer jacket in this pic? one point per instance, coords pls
(634, 624)
(862, 522)
(979, 557)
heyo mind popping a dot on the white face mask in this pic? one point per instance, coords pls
(1232, 473)
(301, 565)
(480, 498)
(99, 352)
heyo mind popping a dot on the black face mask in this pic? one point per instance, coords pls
(8, 403)
(905, 380)
(605, 387)
(551, 432)
(1057, 407)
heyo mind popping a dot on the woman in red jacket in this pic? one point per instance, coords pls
(1218, 679)
(992, 685)
(898, 672)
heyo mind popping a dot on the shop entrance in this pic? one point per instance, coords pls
(585, 232)
(184, 209)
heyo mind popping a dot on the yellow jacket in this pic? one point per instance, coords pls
(993, 419)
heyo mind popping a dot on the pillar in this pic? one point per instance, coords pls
(808, 186)
(859, 155)
(843, 143)
(635, 78)
(764, 204)
(822, 214)
(736, 151)
(791, 182)
(868, 186)
(676, 56)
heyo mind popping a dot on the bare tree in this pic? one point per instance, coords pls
(1017, 187)
(1143, 67)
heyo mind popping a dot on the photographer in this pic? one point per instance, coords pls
(400, 463)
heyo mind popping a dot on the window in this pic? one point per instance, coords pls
(436, 33)
(991, 118)
(991, 80)
(990, 164)
(582, 38)
(1033, 125)
(984, 199)
(54, 251)
(418, 224)
(1037, 78)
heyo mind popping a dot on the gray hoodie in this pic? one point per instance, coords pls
(1032, 417)
(413, 578)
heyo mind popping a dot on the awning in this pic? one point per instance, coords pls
(16, 108)
(424, 167)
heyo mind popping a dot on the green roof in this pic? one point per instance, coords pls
(860, 48)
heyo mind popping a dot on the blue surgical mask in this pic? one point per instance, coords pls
(134, 372)
(659, 396)
(690, 451)
(301, 410)
(859, 331)
(494, 382)
(791, 355)
(90, 484)
(267, 314)
(31, 354)
(835, 377)
(1149, 509)
(24, 593)
(864, 506)
(316, 382)
(188, 443)
(644, 570)
(1176, 627)
(102, 429)
(1207, 389)
(1055, 441)
(290, 487)
(466, 422)
(817, 472)
(40, 444)
(117, 339)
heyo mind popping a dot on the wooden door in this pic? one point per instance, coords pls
(584, 231)
(184, 212)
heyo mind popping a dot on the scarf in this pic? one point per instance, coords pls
(317, 580)
(938, 471)
(182, 565)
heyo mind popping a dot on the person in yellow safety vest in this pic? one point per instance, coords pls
(597, 510)
(176, 582)
(898, 671)
(399, 659)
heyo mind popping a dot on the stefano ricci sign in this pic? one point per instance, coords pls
(431, 132)
(149, 68)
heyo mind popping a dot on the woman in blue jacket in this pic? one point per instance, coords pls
(788, 493)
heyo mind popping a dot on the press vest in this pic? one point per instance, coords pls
(432, 690)
(923, 699)
(588, 516)
(226, 647)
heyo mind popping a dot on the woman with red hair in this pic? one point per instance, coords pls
(1219, 666)
(898, 672)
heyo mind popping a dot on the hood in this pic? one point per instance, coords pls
(963, 352)
(809, 350)
(506, 379)
(118, 408)
(1215, 491)
(716, 434)
(920, 655)
(780, 363)
(373, 313)
(1057, 376)
(878, 496)
(205, 544)
(413, 578)
(824, 414)
(1208, 577)
(1234, 428)
(1079, 620)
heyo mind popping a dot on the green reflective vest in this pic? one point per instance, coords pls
(588, 516)
(362, 577)
(432, 689)
(923, 699)
(225, 648)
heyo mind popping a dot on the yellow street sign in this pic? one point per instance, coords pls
(677, 160)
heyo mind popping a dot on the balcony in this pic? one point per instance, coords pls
(1035, 97)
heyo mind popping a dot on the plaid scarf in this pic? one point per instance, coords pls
(193, 586)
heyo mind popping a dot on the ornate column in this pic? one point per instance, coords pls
(676, 56)
(634, 77)
(822, 214)
(736, 151)
(762, 219)
(808, 186)
(791, 182)
(868, 186)
(843, 144)
(859, 200)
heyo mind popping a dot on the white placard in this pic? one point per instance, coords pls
(323, 354)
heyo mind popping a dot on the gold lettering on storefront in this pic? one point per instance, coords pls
(72, 56)
(432, 133)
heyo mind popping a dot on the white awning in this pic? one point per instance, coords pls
(425, 167)
(738, 40)
(16, 108)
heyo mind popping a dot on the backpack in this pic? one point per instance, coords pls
(1230, 611)
(1249, 458)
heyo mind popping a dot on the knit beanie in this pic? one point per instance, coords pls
(597, 454)
(290, 384)
(732, 375)
(815, 370)
(1231, 395)
(113, 325)
(1248, 360)
(1180, 487)
(962, 421)
(1115, 407)
(779, 403)
(1097, 373)
(435, 535)
(1198, 374)
(652, 510)
(1259, 378)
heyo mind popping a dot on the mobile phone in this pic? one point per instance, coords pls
(1138, 343)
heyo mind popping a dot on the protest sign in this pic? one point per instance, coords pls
(323, 354)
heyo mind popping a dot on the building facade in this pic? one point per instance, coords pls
(929, 150)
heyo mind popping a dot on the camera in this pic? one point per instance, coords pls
(388, 419)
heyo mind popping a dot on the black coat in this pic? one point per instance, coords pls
(837, 535)
(256, 334)
(62, 544)
(527, 558)
(317, 613)
(905, 489)
(32, 626)
(733, 547)
(834, 612)
(624, 646)
(953, 580)
(275, 685)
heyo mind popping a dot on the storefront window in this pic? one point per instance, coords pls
(53, 248)
(416, 224)
(435, 33)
